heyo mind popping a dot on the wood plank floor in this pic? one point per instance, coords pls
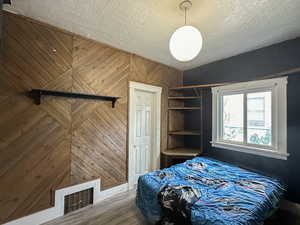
(121, 210)
(118, 210)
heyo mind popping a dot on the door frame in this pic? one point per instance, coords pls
(155, 157)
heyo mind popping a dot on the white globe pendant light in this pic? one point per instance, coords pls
(186, 42)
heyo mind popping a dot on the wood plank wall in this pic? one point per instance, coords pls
(34, 140)
(63, 141)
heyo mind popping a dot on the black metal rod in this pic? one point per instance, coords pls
(36, 95)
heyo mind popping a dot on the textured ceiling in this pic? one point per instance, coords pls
(229, 27)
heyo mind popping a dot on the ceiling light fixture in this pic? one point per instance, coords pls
(186, 42)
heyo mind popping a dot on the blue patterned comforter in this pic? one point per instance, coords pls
(228, 195)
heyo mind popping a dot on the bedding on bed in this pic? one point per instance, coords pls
(206, 191)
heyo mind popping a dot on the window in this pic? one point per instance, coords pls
(257, 109)
(251, 117)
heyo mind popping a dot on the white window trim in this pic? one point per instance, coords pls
(279, 117)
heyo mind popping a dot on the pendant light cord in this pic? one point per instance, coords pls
(185, 16)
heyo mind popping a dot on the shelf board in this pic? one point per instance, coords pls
(182, 151)
(197, 86)
(184, 98)
(36, 95)
(185, 132)
(184, 108)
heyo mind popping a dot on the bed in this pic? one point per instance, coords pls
(206, 191)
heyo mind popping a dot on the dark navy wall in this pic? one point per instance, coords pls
(249, 66)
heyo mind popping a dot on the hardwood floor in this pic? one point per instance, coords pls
(121, 210)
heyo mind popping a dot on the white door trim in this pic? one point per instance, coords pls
(155, 160)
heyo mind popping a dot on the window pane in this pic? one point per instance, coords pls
(259, 116)
(233, 116)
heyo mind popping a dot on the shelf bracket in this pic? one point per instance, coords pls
(196, 92)
(113, 103)
(36, 96)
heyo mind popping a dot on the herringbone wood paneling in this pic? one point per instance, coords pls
(34, 140)
(63, 142)
(99, 132)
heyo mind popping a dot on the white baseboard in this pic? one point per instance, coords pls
(111, 192)
(58, 209)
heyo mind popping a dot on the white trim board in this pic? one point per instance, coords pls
(58, 210)
(135, 86)
(259, 152)
(278, 88)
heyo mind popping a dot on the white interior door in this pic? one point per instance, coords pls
(143, 132)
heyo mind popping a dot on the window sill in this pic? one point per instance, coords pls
(251, 150)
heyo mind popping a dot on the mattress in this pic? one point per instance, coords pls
(224, 193)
